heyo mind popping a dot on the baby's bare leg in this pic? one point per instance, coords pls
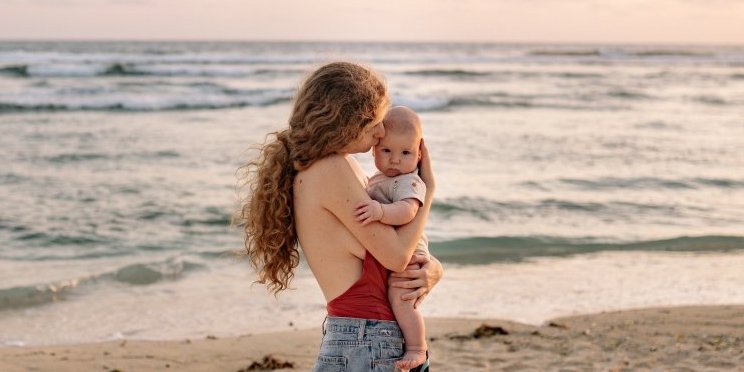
(411, 323)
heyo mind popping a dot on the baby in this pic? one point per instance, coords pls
(397, 193)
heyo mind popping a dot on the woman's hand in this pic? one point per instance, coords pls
(421, 280)
(425, 170)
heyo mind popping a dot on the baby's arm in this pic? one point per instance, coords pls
(395, 214)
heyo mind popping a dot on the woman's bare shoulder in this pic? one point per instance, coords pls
(331, 178)
(332, 161)
(333, 165)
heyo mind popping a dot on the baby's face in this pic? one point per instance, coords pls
(397, 153)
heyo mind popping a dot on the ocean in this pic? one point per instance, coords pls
(571, 179)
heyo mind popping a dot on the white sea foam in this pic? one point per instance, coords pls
(142, 101)
(223, 302)
(193, 70)
(422, 103)
(68, 70)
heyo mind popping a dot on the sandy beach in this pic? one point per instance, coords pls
(679, 338)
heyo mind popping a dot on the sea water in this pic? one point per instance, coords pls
(570, 179)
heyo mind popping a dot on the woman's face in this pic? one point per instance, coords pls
(370, 135)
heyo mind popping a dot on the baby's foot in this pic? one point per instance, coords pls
(411, 359)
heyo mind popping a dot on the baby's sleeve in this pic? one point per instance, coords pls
(409, 186)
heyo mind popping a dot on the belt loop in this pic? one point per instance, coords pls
(322, 326)
(360, 334)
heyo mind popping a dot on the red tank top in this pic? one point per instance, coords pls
(367, 298)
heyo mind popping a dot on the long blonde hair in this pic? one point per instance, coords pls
(330, 110)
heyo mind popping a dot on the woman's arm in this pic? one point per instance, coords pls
(422, 280)
(392, 247)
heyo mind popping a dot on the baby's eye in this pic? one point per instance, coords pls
(385, 150)
(406, 153)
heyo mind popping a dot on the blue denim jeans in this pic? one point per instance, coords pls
(359, 345)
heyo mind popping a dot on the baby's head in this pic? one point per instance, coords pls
(398, 152)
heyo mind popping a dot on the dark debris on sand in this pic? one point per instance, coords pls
(483, 331)
(268, 363)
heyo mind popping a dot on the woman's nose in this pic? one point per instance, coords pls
(380, 132)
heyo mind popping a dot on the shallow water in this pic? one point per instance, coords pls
(119, 158)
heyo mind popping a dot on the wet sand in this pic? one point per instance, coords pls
(679, 338)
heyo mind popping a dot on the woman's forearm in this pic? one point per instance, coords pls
(410, 233)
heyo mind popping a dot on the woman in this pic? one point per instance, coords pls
(304, 188)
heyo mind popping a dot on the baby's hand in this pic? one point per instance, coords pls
(368, 211)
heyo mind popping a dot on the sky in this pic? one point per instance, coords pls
(613, 21)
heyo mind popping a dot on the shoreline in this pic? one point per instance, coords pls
(687, 337)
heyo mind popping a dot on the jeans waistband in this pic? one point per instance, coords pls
(361, 327)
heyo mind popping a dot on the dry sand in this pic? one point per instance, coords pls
(680, 339)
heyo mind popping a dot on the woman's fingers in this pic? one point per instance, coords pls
(415, 273)
(413, 283)
(418, 280)
(420, 259)
(425, 170)
(413, 294)
(419, 300)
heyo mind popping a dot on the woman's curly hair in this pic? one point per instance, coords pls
(330, 110)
